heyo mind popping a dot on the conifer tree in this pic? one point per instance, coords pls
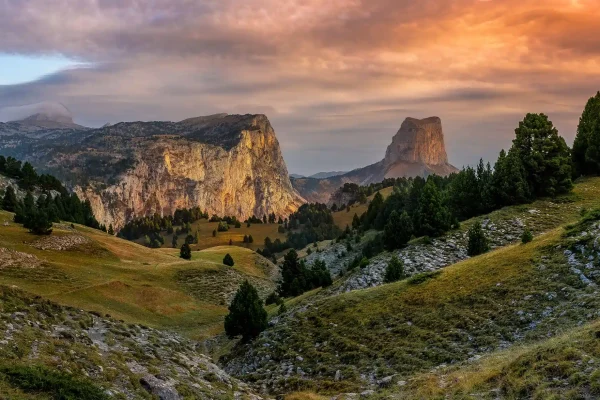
(433, 217)
(478, 242)
(228, 260)
(185, 252)
(394, 270)
(9, 202)
(246, 317)
(586, 148)
(398, 230)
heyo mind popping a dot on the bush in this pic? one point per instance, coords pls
(273, 298)
(527, 236)
(246, 317)
(478, 242)
(364, 262)
(394, 270)
(185, 252)
(228, 260)
(59, 385)
(223, 227)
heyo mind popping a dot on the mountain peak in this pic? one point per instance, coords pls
(45, 114)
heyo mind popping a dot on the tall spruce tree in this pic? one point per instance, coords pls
(544, 154)
(394, 270)
(433, 217)
(586, 147)
(509, 181)
(246, 317)
(398, 230)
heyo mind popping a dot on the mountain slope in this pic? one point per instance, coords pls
(225, 164)
(369, 339)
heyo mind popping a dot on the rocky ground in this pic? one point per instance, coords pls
(60, 243)
(127, 361)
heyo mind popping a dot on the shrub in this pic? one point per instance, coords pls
(527, 236)
(59, 385)
(394, 270)
(478, 242)
(228, 260)
(223, 227)
(185, 252)
(273, 298)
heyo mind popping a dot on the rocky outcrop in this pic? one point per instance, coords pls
(417, 149)
(224, 164)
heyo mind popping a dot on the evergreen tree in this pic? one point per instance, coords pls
(527, 236)
(293, 274)
(9, 202)
(321, 277)
(246, 317)
(398, 230)
(174, 242)
(432, 218)
(111, 230)
(228, 260)
(250, 239)
(510, 185)
(544, 154)
(214, 233)
(394, 270)
(355, 222)
(478, 242)
(465, 194)
(185, 252)
(586, 148)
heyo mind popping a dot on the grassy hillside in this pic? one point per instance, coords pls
(375, 337)
(89, 269)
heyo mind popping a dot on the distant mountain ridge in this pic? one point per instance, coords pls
(224, 164)
(417, 149)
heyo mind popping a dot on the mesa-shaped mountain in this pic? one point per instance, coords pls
(224, 164)
(417, 149)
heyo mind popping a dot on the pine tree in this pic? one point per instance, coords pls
(397, 231)
(545, 156)
(527, 236)
(250, 239)
(465, 194)
(174, 242)
(214, 233)
(9, 202)
(228, 260)
(478, 242)
(586, 147)
(38, 223)
(355, 222)
(111, 230)
(433, 217)
(246, 317)
(394, 270)
(509, 181)
(185, 252)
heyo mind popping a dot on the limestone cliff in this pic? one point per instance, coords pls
(417, 149)
(225, 164)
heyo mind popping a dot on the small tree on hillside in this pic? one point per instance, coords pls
(214, 233)
(246, 317)
(9, 202)
(394, 270)
(111, 230)
(185, 252)
(174, 242)
(38, 223)
(527, 236)
(228, 260)
(478, 243)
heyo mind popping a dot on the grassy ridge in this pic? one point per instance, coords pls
(519, 293)
(123, 279)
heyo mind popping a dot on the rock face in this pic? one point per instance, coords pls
(225, 164)
(416, 150)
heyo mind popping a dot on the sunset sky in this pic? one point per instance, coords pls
(336, 78)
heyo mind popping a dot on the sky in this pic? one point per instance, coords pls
(336, 78)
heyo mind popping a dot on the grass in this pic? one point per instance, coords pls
(128, 281)
(515, 294)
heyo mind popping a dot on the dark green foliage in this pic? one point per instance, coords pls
(58, 385)
(228, 260)
(297, 278)
(223, 226)
(586, 148)
(478, 242)
(156, 223)
(373, 246)
(398, 230)
(364, 262)
(394, 270)
(465, 194)
(273, 298)
(174, 241)
(185, 252)
(311, 223)
(527, 236)
(510, 180)
(246, 317)
(38, 222)
(433, 217)
(9, 202)
(214, 233)
(545, 156)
